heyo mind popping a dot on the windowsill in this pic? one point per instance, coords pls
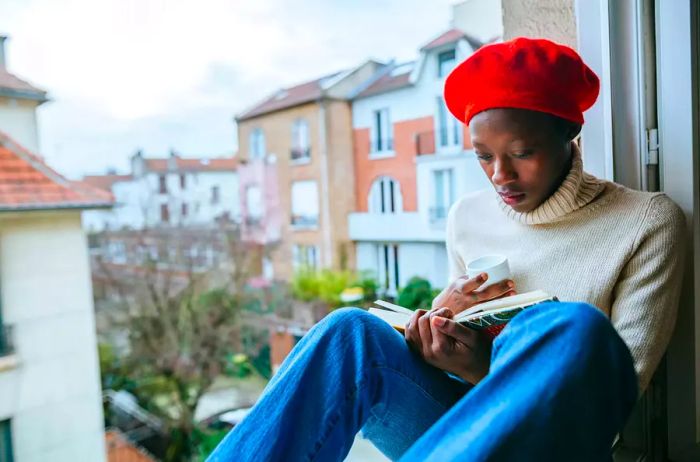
(8, 362)
(381, 155)
(302, 161)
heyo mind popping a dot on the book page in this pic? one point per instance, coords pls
(513, 301)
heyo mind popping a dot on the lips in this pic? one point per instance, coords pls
(512, 198)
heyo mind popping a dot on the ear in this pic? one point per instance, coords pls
(573, 131)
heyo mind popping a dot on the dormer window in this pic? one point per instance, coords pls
(446, 61)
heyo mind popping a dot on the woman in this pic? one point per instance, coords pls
(559, 382)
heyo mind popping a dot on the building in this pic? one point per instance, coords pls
(18, 103)
(50, 397)
(301, 139)
(172, 191)
(412, 161)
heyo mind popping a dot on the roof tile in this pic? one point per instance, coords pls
(27, 183)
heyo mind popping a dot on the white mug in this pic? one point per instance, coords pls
(496, 266)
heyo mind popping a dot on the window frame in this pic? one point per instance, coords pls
(441, 70)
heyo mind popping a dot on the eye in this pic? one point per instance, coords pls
(522, 155)
(483, 157)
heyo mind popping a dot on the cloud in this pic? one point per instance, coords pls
(172, 73)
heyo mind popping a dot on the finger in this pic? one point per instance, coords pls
(442, 343)
(500, 289)
(411, 333)
(443, 312)
(466, 284)
(426, 337)
(455, 330)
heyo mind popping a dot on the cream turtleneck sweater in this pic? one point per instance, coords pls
(592, 241)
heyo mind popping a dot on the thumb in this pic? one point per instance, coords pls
(455, 330)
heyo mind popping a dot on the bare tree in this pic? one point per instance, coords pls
(174, 296)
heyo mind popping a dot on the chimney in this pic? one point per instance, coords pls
(3, 62)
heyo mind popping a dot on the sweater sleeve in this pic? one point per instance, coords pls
(646, 294)
(454, 261)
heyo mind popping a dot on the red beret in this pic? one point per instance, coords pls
(522, 73)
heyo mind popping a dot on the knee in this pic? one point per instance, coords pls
(350, 320)
(576, 320)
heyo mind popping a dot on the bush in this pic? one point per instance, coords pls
(417, 295)
(325, 285)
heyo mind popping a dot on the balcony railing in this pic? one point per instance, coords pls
(425, 143)
(6, 346)
(300, 155)
(437, 214)
(379, 145)
(304, 221)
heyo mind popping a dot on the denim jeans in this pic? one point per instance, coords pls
(561, 385)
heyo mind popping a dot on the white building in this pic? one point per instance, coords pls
(413, 160)
(172, 191)
(18, 102)
(50, 397)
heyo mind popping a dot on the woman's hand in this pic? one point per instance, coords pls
(448, 345)
(463, 294)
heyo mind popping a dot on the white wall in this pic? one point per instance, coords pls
(138, 201)
(426, 260)
(423, 259)
(53, 396)
(482, 19)
(18, 120)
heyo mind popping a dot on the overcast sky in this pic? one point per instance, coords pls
(161, 74)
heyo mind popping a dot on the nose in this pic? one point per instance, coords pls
(503, 173)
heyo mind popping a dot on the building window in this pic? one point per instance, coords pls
(184, 210)
(162, 184)
(254, 204)
(443, 194)
(448, 127)
(257, 144)
(305, 207)
(215, 196)
(301, 153)
(305, 257)
(446, 61)
(164, 213)
(388, 268)
(6, 441)
(183, 181)
(381, 132)
(385, 196)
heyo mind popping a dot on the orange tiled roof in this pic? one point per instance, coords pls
(217, 164)
(387, 83)
(18, 87)
(288, 97)
(119, 449)
(27, 183)
(451, 36)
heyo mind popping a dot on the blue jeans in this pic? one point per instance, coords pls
(561, 385)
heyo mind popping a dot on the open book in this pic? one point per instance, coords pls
(490, 317)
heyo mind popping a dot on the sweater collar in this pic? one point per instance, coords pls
(577, 190)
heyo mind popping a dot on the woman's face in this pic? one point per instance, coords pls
(525, 154)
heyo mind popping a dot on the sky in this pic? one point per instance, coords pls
(158, 75)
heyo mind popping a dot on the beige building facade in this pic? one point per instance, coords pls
(304, 135)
